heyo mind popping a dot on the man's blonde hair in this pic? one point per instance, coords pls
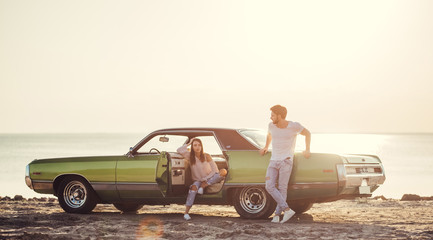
(279, 110)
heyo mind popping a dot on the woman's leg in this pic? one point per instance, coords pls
(216, 178)
(191, 196)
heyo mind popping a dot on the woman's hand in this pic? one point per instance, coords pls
(204, 184)
(190, 141)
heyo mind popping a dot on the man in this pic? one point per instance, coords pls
(283, 134)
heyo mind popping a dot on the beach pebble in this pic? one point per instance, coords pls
(5, 198)
(380, 197)
(410, 197)
(18, 198)
(427, 198)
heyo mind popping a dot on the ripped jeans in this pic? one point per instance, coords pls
(279, 171)
(216, 178)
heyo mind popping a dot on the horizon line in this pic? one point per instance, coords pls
(143, 132)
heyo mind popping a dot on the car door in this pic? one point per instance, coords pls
(136, 176)
(314, 176)
(162, 177)
(146, 174)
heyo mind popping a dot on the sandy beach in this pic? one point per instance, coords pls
(42, 218)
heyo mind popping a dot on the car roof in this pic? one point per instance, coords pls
(229, 138)
(196, 129)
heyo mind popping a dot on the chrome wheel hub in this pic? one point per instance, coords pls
(75, 194)
(253, 199)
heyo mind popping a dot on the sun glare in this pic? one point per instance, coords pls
(344, 143)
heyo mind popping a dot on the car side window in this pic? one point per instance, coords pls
(210, 145)
(168, 143)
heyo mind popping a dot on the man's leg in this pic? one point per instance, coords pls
(284, 176)
(271, 180)
(285, 172)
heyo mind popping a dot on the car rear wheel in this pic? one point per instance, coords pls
(300, 207)
(76, 195)
(128, 207)
(253, 202)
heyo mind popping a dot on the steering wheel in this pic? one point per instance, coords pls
(155, 150)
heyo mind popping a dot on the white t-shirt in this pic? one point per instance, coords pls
(284, 140)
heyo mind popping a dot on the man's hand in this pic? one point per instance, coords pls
(263, 151)
(306, 153)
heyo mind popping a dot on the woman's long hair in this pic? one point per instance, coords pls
(192, 153)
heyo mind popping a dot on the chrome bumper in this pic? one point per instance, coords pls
(28, 180)
(364, 182)
(42, 185)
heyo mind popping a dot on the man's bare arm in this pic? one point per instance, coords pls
(264, 150)
(307, 135)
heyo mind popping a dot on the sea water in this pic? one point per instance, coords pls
(407, 158)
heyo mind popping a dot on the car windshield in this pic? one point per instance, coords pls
(255, 136)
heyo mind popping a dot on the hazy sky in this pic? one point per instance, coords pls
(125, 66)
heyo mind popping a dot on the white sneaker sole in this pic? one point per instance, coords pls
(275, 219)
(287, 216)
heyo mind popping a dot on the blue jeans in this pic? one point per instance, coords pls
(216, 178)
(279, 171)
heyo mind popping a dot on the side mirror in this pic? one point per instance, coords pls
(164, 139)
(129, 154)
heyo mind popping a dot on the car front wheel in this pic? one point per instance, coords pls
(253, 202)
(76, 195)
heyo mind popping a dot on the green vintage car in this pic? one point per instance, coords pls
(153, 173)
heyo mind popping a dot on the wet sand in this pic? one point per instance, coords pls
(344, 219)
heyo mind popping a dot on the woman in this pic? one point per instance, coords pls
(204, 171)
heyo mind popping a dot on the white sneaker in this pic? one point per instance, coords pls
(276, 219)
(287, 215)
(186, 217)
(200, 191)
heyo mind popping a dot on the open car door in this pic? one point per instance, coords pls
(162, 173)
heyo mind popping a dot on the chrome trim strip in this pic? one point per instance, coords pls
(130, 186)
(362, 165)
(104, 186)
(361, 175)
(247, 150)
(43, 181)
(295, 186)
(310, 183)
(315, 185)
(243, 184)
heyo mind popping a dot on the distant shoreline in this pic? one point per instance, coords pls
(108, 133)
